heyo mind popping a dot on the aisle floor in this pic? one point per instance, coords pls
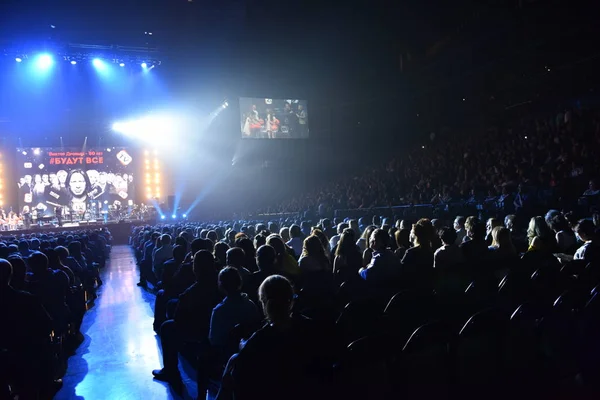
(120, 349)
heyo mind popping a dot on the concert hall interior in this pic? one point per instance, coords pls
(265, 199)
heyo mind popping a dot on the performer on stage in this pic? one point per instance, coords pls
(27, 220)
(302, 121)
(272, 124)
(58, 211)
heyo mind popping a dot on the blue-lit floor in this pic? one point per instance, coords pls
(120, 349)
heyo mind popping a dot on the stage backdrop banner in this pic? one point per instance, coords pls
(78, 181)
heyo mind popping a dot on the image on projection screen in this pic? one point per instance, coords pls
(273, 118)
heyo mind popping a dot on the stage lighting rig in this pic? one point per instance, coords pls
(146, 58)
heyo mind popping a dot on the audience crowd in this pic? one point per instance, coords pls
(47, 281)
(290, 309)
(500, 301)
(544, 160)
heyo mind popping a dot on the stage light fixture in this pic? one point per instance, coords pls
(144, 65)
(36, 152)
(44, 61)
(18, 59)
(121, 64)
(73, 62)
(162, 217)
(24, 152)
(184, 215)
(174, 216)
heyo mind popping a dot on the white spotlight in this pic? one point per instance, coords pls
(18, 59)
(36, 152)
(144, 65)
(121, 64)
(73, 62)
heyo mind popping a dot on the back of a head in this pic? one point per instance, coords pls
(74, 248)
(204, 264)
(5, 272)
(230, 281)
(265, 257)
(276, 295)
(179, 253)
(23, 245)
(19, 269)
(501, 237)
(35, 244)
(347, 243)
(276, 242)
(341, 228)
(380, 240)
(245, 244)
(62, 252)
(235, 257)
(38, 262)
(448, 235)
(585, 229)
(312, 246)
(402, 237)
(165, 240)
(295, 231)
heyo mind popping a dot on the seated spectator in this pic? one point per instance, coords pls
(402, 237)
(449, 255)
(51, 288)
(284, 232)
(160, 255)
(221, 254)
(286, 263)
(249, 253)
(236, 258)
(236, 308)
(384, 268)
(593, 189)
(490, 224)
(565, 238)
(417, 263)
(26, 327)
(313, 258)
(284, 356)
(363, 242)
(317, 276)
(266, 259)
(333, 241)
(590, 251)
(296, 240)
(168, 286)
(502, 248)
(348, 260)
(19, 271)
(191, 321)
(541, 238)
(475, 250)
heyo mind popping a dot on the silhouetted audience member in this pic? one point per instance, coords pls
(236, 308)
(24, 340)
(449, 255)
(192, 318)
(384, 267)
(51, 288)
(590, 251)
(281, 360)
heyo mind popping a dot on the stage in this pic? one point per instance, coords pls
(120, 231)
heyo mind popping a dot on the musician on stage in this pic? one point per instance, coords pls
(58, 211)
(302, 121)
(27, 218)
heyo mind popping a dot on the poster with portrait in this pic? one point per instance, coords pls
(74, 181)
